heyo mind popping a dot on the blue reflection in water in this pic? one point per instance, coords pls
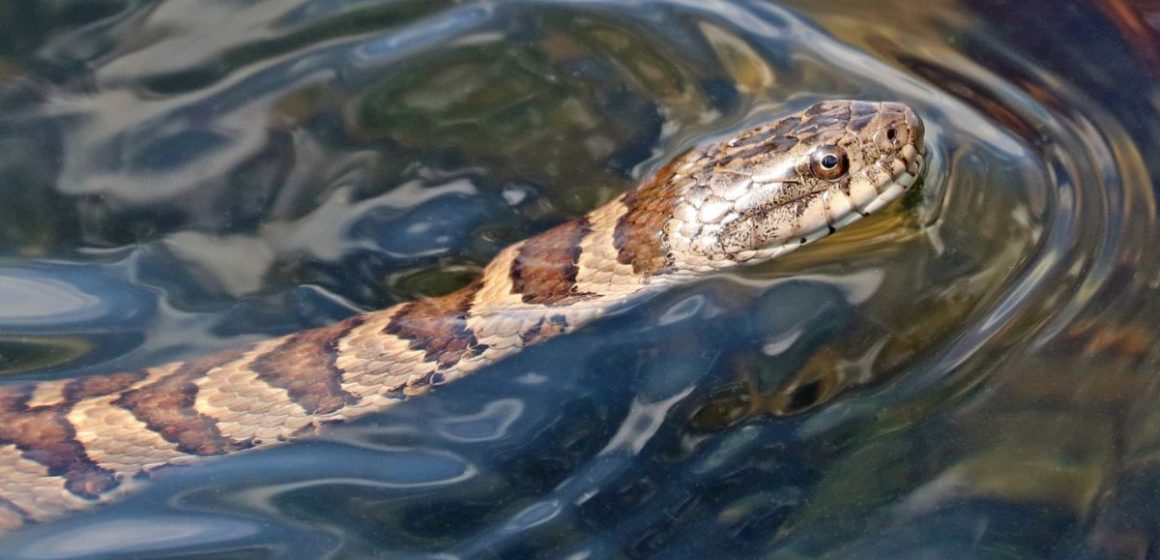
(62, 297)
(233, 171)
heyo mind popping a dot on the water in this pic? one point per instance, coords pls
(968, 375)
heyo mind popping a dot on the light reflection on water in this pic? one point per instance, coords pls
(967, 375)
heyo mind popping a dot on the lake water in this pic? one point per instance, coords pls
(971, 374)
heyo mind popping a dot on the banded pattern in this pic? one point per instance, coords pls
(67, 445)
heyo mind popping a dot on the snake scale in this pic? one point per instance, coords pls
(66, 445)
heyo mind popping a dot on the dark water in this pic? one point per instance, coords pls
(972, 374)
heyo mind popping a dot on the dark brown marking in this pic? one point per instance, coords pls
(438, 327)
(166, 406)
(638, 238)
(821, 118)
(101, 385)
(755, 146)
(746, 157)
(304, 365)
(844, 186)
(545, 268)
(43, 434)
(859, 123)
(546, 328)
(803, 204)
(819, 109)
(15, 397)
(774, 136)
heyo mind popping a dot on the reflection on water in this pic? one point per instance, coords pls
(967, 375)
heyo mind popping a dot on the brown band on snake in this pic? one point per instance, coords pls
(638, 237)
(44, 435)
(101, 385)
(167, 406)
(544, 270)
(304, 365)
(438, 327)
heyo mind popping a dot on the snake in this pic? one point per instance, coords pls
(67, 445)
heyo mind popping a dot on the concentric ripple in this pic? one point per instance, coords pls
(967, 374)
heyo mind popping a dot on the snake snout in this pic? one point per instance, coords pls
(915, 127)
(900, 127)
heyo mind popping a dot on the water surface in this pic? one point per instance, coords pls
(968, 375)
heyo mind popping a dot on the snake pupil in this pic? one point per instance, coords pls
(829, 162)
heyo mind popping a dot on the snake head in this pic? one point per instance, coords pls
(779, 185)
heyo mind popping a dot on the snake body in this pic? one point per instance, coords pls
(67, 445)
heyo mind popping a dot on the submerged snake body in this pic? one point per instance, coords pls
(67, 445)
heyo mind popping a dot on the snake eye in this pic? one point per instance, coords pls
(829, 162)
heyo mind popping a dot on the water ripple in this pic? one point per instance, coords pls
(968, 372)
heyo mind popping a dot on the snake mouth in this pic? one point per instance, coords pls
(899, 173)
(915, 162)
(896, 172)
(902, 171)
